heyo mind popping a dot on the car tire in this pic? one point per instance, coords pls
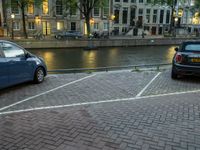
(39, 75)
(174, 75)
(59, 37)
(41, 37)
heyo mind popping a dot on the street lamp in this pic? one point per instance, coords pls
(12, 18)
(110, 18)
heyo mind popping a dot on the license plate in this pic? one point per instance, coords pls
(196, 60)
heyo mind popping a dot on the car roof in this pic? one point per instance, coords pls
(191, 42)
(11, 43)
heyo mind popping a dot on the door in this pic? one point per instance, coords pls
(19, 68)
(46, 28)
(4, 75)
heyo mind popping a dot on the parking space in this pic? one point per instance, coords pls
(120, 110)
(76, 89)
(24, 91)
(96, 87)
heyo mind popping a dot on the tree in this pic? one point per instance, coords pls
(85, 7)
(22, 5)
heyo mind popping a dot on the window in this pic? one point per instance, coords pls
(155, 16)
(116, 16)
(12, 50)
(125, 16)
(16, 25)
(45, 7)
(31, 25)
(133, 1)
(140, 1)
(106, 8)
(73, 26)
(59, 8)
(148, 11)
(192, 47)
(117, 0)
(30, 9)
(1, 54)
(105, 26)
(60, 25)
(168, 16)
(161, 16)
(140, 11)
(14, 7)
(125, 1)
(73, 10)
(96, 26)
(132, 17)
(96, 11)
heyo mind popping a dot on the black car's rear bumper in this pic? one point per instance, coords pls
(186, 69)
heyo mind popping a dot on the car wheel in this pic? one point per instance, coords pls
(39, 75)
(174, 75)
(41, 37)
(59, 37)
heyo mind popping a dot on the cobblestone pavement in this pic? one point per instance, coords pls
(169, 121)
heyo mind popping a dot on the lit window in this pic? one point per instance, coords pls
(31, 25)
(30, 9)
(60, 25)
(45, 7)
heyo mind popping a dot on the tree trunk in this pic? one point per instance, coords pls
(24, 23)
(87, 19)
(172, 24)
(172, 20)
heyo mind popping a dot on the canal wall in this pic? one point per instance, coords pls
(101, 43)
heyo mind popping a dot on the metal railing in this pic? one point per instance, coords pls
(111, 68)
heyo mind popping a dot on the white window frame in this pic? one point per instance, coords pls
(16, 22)
(32, 22)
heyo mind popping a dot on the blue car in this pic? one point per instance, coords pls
(18, 65)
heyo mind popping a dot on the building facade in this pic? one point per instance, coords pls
(118, 17)
(138, 14)
(49, 17)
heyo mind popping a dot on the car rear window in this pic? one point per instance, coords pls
(192, 47)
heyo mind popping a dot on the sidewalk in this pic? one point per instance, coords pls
(118, 110)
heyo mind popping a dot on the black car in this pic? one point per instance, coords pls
(186, 60)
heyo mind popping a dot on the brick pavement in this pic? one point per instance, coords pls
(104, 86)
(164, 122)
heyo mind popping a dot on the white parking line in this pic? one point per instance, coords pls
(43, 93)
(141, 92)
(99, 102)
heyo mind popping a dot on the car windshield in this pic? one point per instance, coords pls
(192, 47)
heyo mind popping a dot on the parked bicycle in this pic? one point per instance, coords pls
(39, 36)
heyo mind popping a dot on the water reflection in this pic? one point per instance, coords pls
(105, 57)
(89, 59)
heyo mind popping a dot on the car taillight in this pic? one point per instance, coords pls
(178, 58)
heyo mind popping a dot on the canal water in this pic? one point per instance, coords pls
(71, 58)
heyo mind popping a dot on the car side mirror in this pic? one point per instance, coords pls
(27, 55)
(176, 49)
